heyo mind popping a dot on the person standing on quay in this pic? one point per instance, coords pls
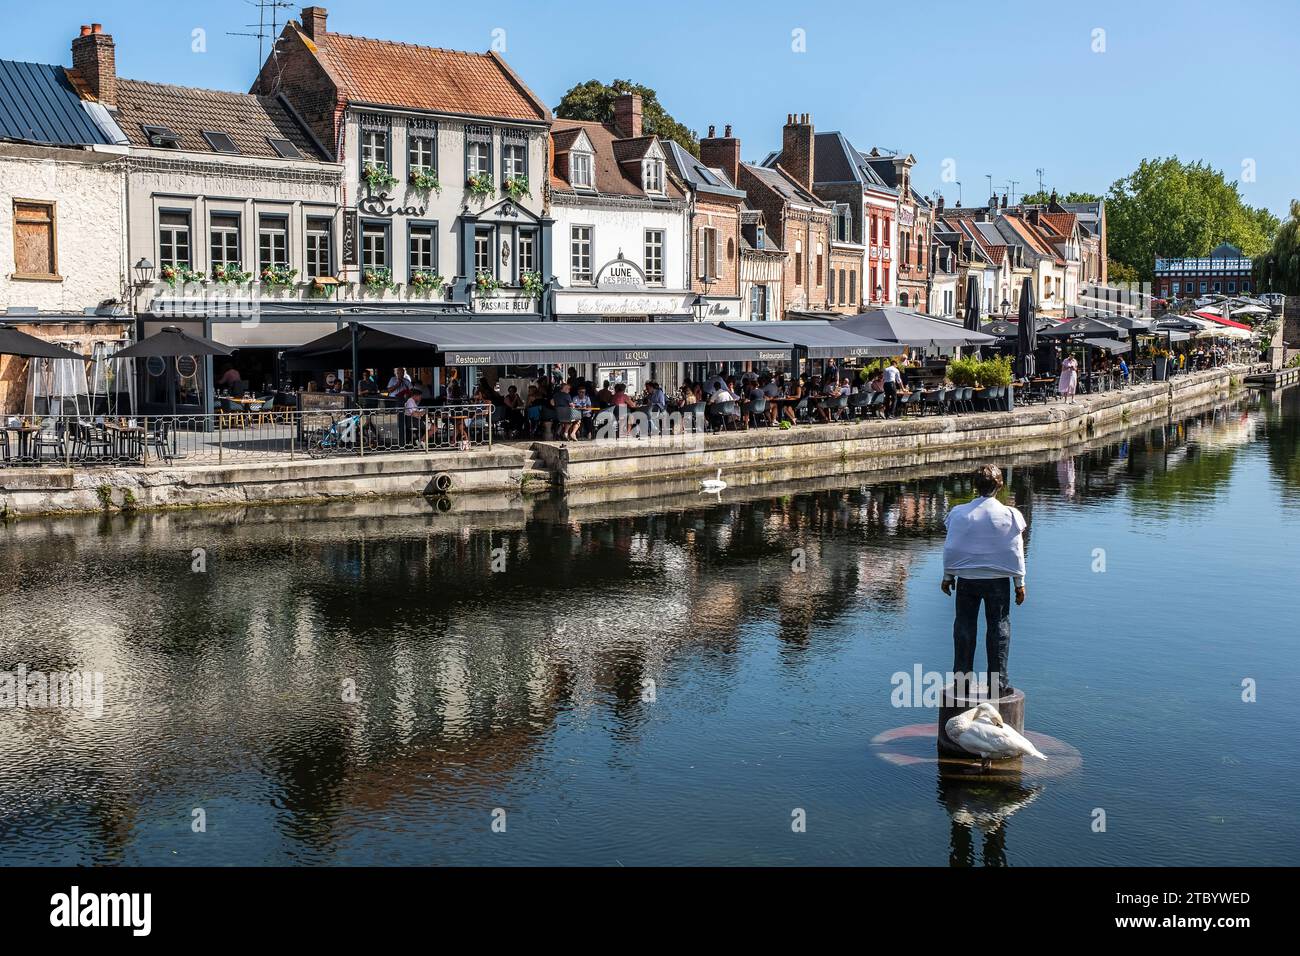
(1069, 380)
(983, 554)
(893, 379)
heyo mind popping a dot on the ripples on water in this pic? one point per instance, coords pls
(649, 682)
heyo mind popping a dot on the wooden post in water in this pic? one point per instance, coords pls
(1011, 706)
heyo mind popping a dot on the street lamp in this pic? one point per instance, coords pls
(879, 292)
(144, 270)
(699, 307)
(1006, 308)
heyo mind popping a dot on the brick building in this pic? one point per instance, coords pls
(1226, 271)
(716, 204)
(799, 222)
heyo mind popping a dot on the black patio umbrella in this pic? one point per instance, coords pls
(972, 305)
(14, 341)
(1027, 334)
(172, 342)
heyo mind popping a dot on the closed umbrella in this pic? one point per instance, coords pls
(172, 342)
(972, 305)
(1027, 334)
(890, 324)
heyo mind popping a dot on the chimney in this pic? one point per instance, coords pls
(797, 149)
(722, 152)
(940, 205)
(93, 59)
(627, 115)
(313, 21)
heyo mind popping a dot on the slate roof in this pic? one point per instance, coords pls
(39, 104)
(385, 73)
(701, 177)
(613, 174)
(835, 160)
(246, 118)
(785, 187)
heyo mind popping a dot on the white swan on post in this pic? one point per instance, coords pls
(713, 484)
(981, 731)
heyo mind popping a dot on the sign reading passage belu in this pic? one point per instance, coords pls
(348, 243)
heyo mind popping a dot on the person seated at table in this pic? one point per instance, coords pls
(399, 383)
(605, 396)
(582, 402)
(230, 377)
(413, 421)
(720, 395)
(656, 403)
(793, 393)
(368, 385)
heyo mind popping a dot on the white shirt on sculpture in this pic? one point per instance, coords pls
(985, 540)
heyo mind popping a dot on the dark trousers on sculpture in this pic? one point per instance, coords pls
(995, 593)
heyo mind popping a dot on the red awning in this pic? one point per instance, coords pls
(1215, 317)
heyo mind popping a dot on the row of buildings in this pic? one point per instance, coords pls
(363, 176)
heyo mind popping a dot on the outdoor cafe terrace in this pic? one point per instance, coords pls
(792, 374)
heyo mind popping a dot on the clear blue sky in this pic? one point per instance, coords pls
(999, 88)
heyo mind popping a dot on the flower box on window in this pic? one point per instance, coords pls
(175, 275)
(377, 177)
(425, 180)
(278, 277)
(516, 187)
(426, 282)
(479, 186)
(230, 274)
(486, 284)
(378, 280)
(531, 283)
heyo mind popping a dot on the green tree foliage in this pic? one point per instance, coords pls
(594, 101)
(1043, 198)
(1172, 209)
(1120, 272)
(1278, 270)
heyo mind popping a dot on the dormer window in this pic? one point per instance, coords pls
(580, 170)
(760, 238)
(652, 175)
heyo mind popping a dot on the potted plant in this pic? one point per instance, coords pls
(424, 180)
(179, 275)
(486, 284)
(277, 276)
(996, 373)
(378, 279)
(516, 187)
(531, 283)
(230, 274)
(479, 185)
(426, 282)
(378, 177)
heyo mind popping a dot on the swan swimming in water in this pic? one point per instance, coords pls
(713, 484)
(980, 731)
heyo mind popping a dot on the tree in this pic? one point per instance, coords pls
(594, 101)
(1172, 209)
(1120, 272)
(1043, 198)
(1278, 270)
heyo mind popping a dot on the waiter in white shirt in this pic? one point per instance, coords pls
(893, 381)
(983, 555)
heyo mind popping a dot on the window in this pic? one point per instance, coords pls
(420, 154)
(35, 248)
(875, 228)
(1232, 287)
(174, 239)
(654, 256)
(320, 254)
(819, 263)
(284, 148)
(483, 252)
(652, 175)
(1245, 286)
(478, 158)
(760, 238)
(527, 252)
(374, 148)
(707, 254)
(225, 239)
(874, 294)
(580, 170)
(885, 237)
(580, 253)
(272, 241)
(853, 286)
(830, 296)
(421, 248)
(758, 303)
(798, 262)
(374, 245)
(1217, 288)
(514, 160)
(221, 142)
(1203, 289)
(1178, 287)
(842, 284)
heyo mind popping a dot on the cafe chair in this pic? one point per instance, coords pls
(157, 440)
(88, 441)
(754, 412)
(50, 436)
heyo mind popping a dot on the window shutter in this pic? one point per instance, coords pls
(717, 256)
(699, 254)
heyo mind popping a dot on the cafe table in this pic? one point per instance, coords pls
(24, 434)
(127, 440)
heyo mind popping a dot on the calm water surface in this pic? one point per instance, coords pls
(526, 690)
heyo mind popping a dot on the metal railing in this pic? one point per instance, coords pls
(245, 436)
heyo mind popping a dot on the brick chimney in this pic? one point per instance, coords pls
(797, 148)
(627, 115)
(93, 59)
(313, 21)
(722, 152)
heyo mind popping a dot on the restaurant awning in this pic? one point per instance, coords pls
(1113, 346)
(906, 327)
(817, 339)
(535, 343)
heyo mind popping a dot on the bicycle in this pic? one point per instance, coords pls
(342, 436)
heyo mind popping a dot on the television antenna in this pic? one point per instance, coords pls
(1040, 172)
(268, 24)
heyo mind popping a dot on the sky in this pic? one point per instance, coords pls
(1001, 88)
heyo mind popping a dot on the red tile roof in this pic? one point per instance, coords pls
(1061, 222)
(616, 170)
(386, 73)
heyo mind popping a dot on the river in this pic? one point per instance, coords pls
(687, 680)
